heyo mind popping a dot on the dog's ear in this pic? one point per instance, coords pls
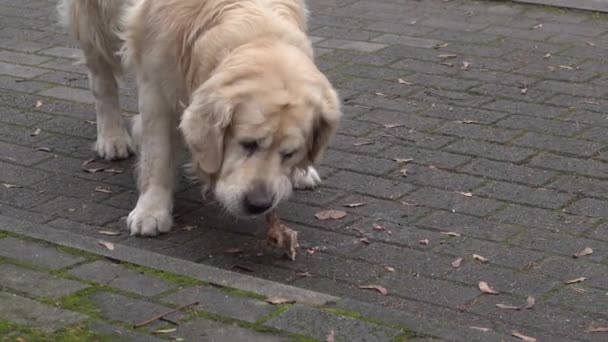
(326, 122)
(203, 125)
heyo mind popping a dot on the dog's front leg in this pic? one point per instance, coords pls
(158, 154)
(305, 178)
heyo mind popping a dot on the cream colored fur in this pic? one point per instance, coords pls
(217, 76)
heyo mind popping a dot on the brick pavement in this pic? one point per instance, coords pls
(501, 108)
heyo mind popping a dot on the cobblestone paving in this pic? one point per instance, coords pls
(486, 119)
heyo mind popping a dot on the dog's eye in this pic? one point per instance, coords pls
(287, 155)
(250, 145)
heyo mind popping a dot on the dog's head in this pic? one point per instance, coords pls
(265, 111)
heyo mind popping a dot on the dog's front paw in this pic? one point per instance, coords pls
(305, 178)
(114, 146)
(149, 221)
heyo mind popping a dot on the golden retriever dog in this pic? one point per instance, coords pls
(234, 80)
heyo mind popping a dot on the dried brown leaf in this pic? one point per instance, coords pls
(392, 125)
(481, 329)
(509, 307)
(93, 170)
(90, 122)
(403, 160)
(108, 232)
(586, 251)
(44, 149)
(362, 143)
(390, 269)
(576, 280)
(403, 172)
(446, 56)
(378, 227)
(424, 242)
(466, 194)
(330, 215)
(355, 205)
(106, 244)
(465, 65)
(409, 204)
(381, 94)
(402, 81)
(359, 230)
(566, 67)
(117, 171)
(468, 122)
(589, 43)
(38, 104)
(597, 329)
(547, 56)
(522, 336)
(441, 45)
(187, 228)
(279, 300)
(234, 250)
(485, 288)
(164, 331)
(523, 91)
(381, 289)
(103, 190)
(364, 240)
(331, 337)
(304, 274)
(536, 27)
(457, 263)
(10, 186)
(454, 234)
(480, 258)
(36, 132)
(87, 162)
(530, 302)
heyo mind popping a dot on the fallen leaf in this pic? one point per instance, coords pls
(36, 132)
(89, 122)
(38, 104)
(480, 258)
(187, 228)
(108, 232)
(454, 234)
(466, 194)
(589, 43)
(403, 160)
(361, 143)
(43, 149)
(93, 170)
(424, 242)
(331, 337)
(522, 336)
(383, 291)
(536, 27)
(547, 56)
(509, 307)
(10, 186)
(390, 269)
(364, 240)
(481, 329)
(403, 172)
(524, 91)
(304, 274)
(448, 64)
(330, 215)
(164, 331)
(311, 251)
(551, 68)
(530, 302)
(441, 45)
(465, 65)
(586, 251)
(597, 329)
(485, 288)
(392, 125)
(447, 56)
(279, 300)
(378, 227)
(359, 230)
(381, 94)
(355, 205)
(567, 67)
(117, 171)
(456, 263)
(408, 204)
(106, 244)
(402, 81)
(103, 190)
(574, 281)
(234, 250)
(87, 162)
(468, 122)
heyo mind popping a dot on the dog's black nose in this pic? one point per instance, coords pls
(258, 201)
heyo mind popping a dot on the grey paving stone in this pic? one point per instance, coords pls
(23, 197)
(387, 210)
(22, 155)
(116, 307)
(539, 197)
(368, 185)
(36, 254)
(77, 210)
(581, 185)
(19, 70)
(490, 150)
(22, 58)
(358, 163)
(567, 268)
(122, 278)
(589, 207)
(589, 300)
(550, 220)
(464, 114)
(117, 333)
(201, 329)
(508, 172)
(18, 175)
(351, 45)
(70, 94)
(438, 159)
(222, 303)
(19, 84)
(453, 201)
(435, 177)
(557, 127)
(23, 214)
(586, 167)
(478, 132)
(561, 244)
(560, 145)
(524, 108)
(26, 312)
(318, 323)
(469, 225)
(37, 283)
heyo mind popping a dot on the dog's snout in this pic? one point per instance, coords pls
(258, 200)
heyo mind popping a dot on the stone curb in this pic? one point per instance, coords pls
(262, 287)
(588, 5)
